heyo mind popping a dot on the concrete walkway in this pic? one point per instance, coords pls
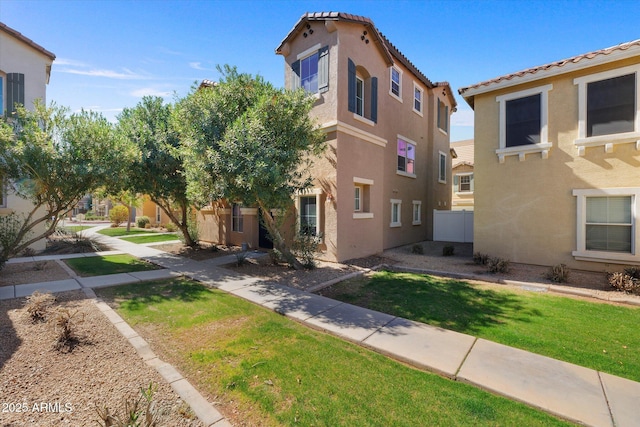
(569, 391)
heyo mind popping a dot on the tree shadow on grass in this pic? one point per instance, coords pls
(449, 304)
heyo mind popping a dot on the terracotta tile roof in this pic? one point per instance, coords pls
(389, 51)
(464, 149)
(553, 66)
(21, 37)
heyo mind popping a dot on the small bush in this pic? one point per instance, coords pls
(304, 248)
(622, 281)
(417, 249)
(275, 256)
(559, 273)
(170, 227)
(65, 324)
(480, 258)
(448, 250)
(118, 215)
(498, 265)
(241, 258)
(143, 221)
(633, 272)
(38, 305)
(140, 412)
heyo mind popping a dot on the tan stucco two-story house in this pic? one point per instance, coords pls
(25, 68)
(557, 161)
(388, 163)
(463, 184)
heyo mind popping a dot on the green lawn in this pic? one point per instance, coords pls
(154, 238)
(77, 228)
(122, 231)
(600, 336)
(110, 264)
(273, 371)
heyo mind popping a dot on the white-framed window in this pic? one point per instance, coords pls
(308, 207)
(443, 116)
(608, 109)
(311, 70)
(395, 88)
(396, 213)
(309, 73)
(362, 194)
(417, 212)
(442, 167)
(607, 224)
(406, 154)
(158, 214)
(523, 123)
(418, 96)
(463, 182)
(359, 96)
(237, 219)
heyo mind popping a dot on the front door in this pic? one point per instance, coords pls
(264, 240)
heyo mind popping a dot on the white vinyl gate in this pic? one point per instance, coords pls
(453, 226)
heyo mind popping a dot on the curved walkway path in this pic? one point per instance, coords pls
(569, 391)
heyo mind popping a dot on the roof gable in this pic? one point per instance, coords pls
(10, 31)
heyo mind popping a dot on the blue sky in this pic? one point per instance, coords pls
(110, 53)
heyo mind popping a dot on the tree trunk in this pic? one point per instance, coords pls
(183, 225)
(278, 241)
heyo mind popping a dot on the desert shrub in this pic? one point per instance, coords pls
(633, 272)
(170, 227)
(10, 227)
(480, 258)
(558, 273)
(622, 281)
(497, 265)
(417, 249)
(38, 305)
(241, 258)
(448, 250)
(275, 256)
(118, 215)
(304, 248)
(143, 221)
(65, 323)
(140, 412)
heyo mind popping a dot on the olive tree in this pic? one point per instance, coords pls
(52, 159)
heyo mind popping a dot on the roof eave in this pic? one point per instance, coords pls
(18, 35)
(468, 93)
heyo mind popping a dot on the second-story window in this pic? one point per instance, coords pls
(359, 96)
(309, 73)
(417, 99)
(396, 83)
(311, 70)
(443, 116)
(406, 157)
(362, 93)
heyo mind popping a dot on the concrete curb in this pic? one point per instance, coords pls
(204, 410)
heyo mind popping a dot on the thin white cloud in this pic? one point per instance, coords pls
(69, 62)
(462, 117)
(110, 74)
(168, 51)
(149, 91)
(198, 66)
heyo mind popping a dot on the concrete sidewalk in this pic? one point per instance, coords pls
(569, 391)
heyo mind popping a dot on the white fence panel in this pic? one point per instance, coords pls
(453, 226)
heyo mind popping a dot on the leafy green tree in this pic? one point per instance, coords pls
(158, 168)
(251, 142)
(53, 159)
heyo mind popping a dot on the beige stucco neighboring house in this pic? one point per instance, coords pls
(25, 68)
(463, 184)
(557, 161)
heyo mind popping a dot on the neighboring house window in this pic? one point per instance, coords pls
(417, 98)
(396, 84)
(442, 168)
(362, 94)
(463, 183)
(2, 108)
(237, 220)
(361, 196)
(443, 116)
(606, 221)
(417, 212)
(311, 70)
(406, 158)
(158, 215)
(308, 215)
(523, 123)
(608, 110)
(15, 91)
(396, 206)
